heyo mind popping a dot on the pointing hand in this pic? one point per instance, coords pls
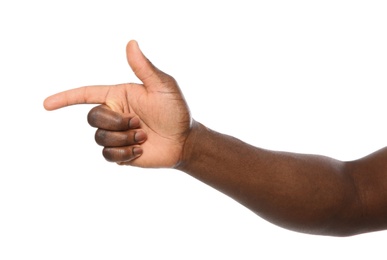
(143, 125)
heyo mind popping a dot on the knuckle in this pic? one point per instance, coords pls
(109, 155)
(91, 117)
(100, 136)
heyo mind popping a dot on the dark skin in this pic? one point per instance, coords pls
(149, 125)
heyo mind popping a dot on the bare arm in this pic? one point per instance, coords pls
(149, 125)
(306, 193)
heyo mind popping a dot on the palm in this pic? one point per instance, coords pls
(164, 116)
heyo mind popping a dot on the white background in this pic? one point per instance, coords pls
(300, 76)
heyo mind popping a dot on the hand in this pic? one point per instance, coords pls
(155, 110)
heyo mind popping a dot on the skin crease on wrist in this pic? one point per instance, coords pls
(150, 125)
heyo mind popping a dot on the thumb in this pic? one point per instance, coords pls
(142, 67)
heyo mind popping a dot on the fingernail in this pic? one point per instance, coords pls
(139, 137)
(137, 151)
(134, 122)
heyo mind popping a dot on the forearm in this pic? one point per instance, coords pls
(306, 193)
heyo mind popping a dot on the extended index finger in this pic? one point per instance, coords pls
(82, 95)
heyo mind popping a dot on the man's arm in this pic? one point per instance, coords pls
(149, 125)
(306, 193)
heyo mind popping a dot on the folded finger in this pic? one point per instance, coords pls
(122, 154)
(105, 118)
(119, 138)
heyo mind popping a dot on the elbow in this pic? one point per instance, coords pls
(348, 218)
(361, 209)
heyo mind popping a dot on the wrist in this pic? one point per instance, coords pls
(190, 145)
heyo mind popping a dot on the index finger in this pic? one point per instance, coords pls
(82, 95)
